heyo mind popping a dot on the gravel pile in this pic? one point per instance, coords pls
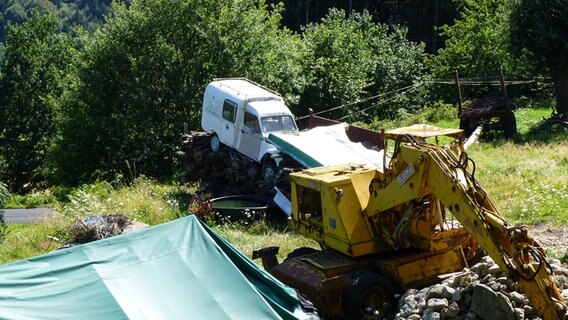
(480, 292)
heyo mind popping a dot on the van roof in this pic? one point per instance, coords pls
(268, 108)
(248, 90)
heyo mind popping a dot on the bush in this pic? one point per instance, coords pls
(144, 74)
(4, 194)
(354, 59)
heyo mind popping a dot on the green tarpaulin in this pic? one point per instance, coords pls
(177, 270)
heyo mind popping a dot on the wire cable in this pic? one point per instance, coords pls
(409, 88)
(360, 101)
(480, 83)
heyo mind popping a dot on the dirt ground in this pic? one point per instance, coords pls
(554, 239)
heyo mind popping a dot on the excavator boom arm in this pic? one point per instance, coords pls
(422, 170)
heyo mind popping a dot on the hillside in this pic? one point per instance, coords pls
(86, 13)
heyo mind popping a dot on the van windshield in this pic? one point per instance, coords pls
(278, 123)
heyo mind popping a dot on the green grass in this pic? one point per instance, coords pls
(528, 182)
(36, 200)
(526, 178)
(262, 235)
(145, 201)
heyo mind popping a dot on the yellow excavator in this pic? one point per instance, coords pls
(420, 217)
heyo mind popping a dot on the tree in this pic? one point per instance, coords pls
(477, 44)
(33, 73)
(353, 58)
(540, 27)
(144, 74)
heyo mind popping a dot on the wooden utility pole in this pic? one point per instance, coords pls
(458, 92)
(504, 89)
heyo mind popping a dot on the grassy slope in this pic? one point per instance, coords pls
(526, 178)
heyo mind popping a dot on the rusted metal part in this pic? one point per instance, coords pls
(322, 276)
(328, 260)
(493, 112)
(268, 256)
(325, 292)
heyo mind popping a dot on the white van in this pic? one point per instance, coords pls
(240, 114)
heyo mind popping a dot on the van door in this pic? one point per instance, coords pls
(250, 136)
(227, 133)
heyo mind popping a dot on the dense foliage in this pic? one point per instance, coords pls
(4, 194)
(477, 43)
(135, 92)
(77, 106)
(477, 46)
(37, 64)
(541, 27)
(88, 14)
(353, 58)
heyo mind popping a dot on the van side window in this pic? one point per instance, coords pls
(229, 110)
(251, 121)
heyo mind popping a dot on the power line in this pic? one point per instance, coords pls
(378, 103)
(361, 101)
(480, 83)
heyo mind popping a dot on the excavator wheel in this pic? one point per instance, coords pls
(370, 296)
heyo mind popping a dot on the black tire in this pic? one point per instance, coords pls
(370, 296)
(302, 251)
(268, 170)
(214, 143)
(509, 124)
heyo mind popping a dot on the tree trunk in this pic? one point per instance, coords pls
(560, 80)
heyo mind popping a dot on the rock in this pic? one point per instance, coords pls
(561, 281)
(467, 298)
(457, 295)
(494, 270)
(437, 304)
(447, 292)
(470, 316)
(408, 297)
(490, 305)
(452, 311)
(558, 267)
(465, 279)
(494, 285)
(414, 317)
(502, 280)
(486, 278)
(565, 294)
(519, 314)
(510, 285)
(479, 268)
(406, 311)
(518, 297)
(434, 292)
(431, 315)
(488, 260)
(529, 311)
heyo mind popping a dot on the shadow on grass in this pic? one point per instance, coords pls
(543, 132)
